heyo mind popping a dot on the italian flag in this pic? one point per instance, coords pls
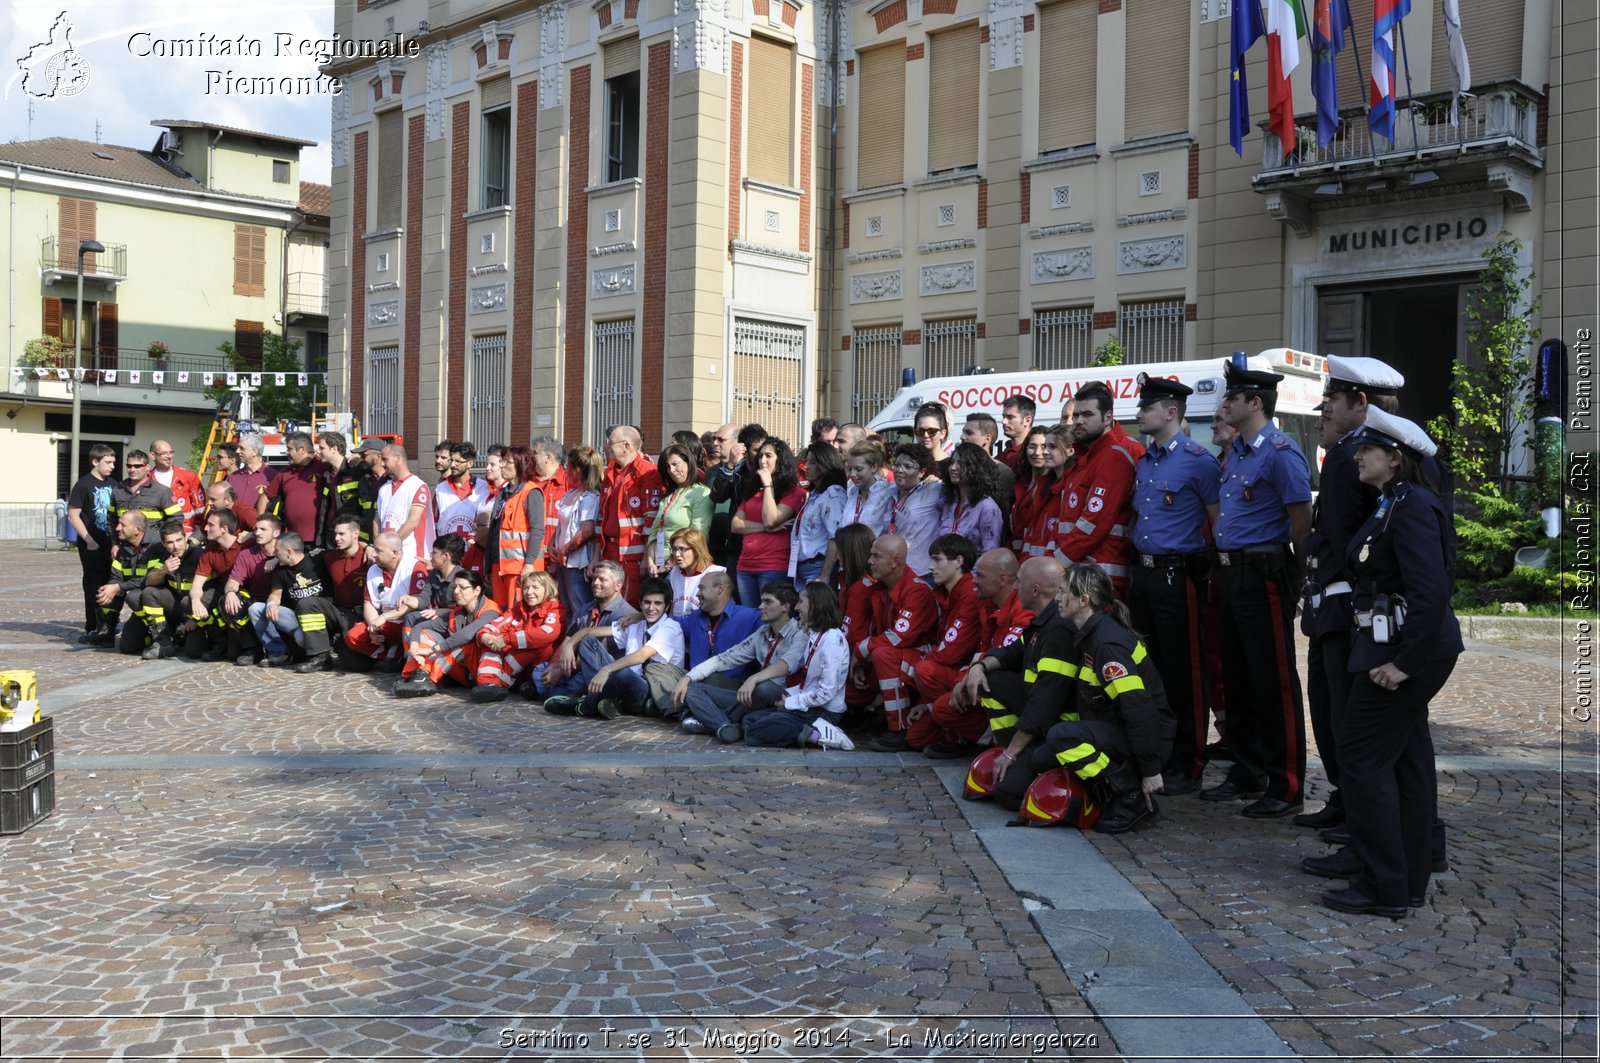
(1286, 24)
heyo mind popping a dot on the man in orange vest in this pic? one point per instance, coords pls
(629, 495)
(550, 482)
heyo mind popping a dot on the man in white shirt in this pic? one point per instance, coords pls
(713, 709)
(620, 685)
(459, 495)
(404, 507)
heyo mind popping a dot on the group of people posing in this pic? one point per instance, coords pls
(1047, 599)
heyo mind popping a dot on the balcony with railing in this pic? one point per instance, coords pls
(60, 261)
(126, 375)
(1494, 140)
(306, 295)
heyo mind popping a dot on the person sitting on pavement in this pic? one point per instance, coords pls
(711, 708)
(718, 620)
(592, 642)
(524, 636)
(910, 622)
(325, 620)
(961, 611)
(813, 703)
(250, 581)
(296, 578)
(620, 686)
(165, 590)
(209, 639)
(136, 555)
(439, 592)
(379, 637)
(1121, 729)
(445, 645)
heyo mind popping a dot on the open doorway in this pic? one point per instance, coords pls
(1418, 327)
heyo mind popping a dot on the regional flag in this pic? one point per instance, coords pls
(1327, 41)
(1247, 29)
(1386, 16)
(1460, 69)
(1286, 24)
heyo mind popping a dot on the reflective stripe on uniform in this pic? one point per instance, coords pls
(1127, 682)
(1058, 666)
(1084, 761)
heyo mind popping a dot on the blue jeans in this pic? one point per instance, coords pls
(807, 572)
(592, 656)
(716, 706)
(271, 635)
(750, 584)
(576, 594)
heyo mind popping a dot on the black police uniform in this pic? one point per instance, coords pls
(1405, 551)
(1343, 503)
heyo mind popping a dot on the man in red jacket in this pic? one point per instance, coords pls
(1097, 489)
(959, 633)
(911, 621)
(184, 485)
(629, 495)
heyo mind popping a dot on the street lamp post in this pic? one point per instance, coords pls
(87, 247)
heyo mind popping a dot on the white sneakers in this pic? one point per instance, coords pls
(828, 736)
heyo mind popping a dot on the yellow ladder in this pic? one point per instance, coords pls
(222, 429)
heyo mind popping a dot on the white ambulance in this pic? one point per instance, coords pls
(1298, 395)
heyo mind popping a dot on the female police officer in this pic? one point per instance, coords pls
(1405, 645)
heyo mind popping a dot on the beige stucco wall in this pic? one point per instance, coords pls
(28, 474)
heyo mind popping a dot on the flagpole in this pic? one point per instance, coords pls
(1405, 61)
(1365, 87)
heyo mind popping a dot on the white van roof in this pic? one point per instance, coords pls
(1300, 390)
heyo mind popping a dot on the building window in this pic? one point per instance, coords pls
(614, 375)
(391, 169)
(1063, 337)
(953, 94)
(876, 353)
(497, 157)
(881, 149)
(768, 365)
(75, 224)
(280, 172)
(1152, 331)
(487, 383)
(771, 111)
(950, 347)
(247, 342)
(623, 116)
(316, 352)
(383, 392)
(1156, 74)
(249, 260)
(1067, 54)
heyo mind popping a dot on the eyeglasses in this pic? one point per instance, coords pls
(136, 464)
(680, 549)
(927, 431)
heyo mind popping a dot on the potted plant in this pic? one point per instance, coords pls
(158, 353)
(45, 352)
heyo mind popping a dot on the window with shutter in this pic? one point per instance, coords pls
(247, 341)
(52, 316)
(249, 260)
(1067, 57)
(624, 121)
(881, 148)
(771, 111)
(1492, 30)
(108, 336)
(1156, 78)
(953, 97)
(391, 169)
(75, 224)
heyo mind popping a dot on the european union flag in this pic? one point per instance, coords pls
(1248, 27)
(1327, 41)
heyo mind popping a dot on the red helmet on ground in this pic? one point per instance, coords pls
(1058, 796)
(980, 776)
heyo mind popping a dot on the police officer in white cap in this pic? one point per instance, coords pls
(1404, 646)
(1343, 503)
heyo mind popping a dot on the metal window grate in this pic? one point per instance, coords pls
(614, 375)
(487, 385)
(877, 370)
(1063, 338)
(768, 368)
(383, 391)
(1152, 331)
(949, 348)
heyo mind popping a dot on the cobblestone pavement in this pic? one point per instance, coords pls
(254, 865)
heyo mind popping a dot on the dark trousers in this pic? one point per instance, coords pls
(1266, 714)
(1390, 792)
(96, 574)
(1096, 751)
(1327, 689)
(1167, 605)
(323, 623)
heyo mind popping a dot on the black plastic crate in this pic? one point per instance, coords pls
(21, 809)
(30, 743)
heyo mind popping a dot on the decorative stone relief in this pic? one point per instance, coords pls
(700, 35)
(956, 277)
(618, 280)
(1074, 263)
(339, 143)
(1005, 34)
(492, 267)
(437, 60)
(1174, 214)
(788, 254)
(552, 44)
(386, 286)
(625, 247)
(948, 245)
(1148, 256)
(870, 287)
(1044, 231)
(874, 256)
(826, 89)
(381, 314)
(487, 299)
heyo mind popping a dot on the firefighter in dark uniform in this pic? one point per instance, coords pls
(1175, 486)
(137, 553)
(166, 593)
(368, 459)
(1263, 518)
(1403, 648)
(345, 487)
(1343, 503)
(142, 492)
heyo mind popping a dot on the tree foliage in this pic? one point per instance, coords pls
(1110, 352)
(271, 403)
